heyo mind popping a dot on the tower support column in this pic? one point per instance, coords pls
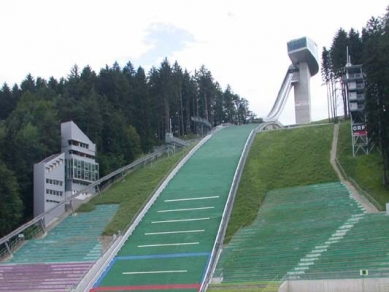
(302, 95)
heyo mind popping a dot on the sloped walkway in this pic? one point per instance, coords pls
(369, 207)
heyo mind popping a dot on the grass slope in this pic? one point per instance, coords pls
(280, 159)
(133, 192)
(364, 169)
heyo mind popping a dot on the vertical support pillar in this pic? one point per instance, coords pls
(98, 190)
(8, 248)
(302, 95)
(72, 206)
(42, 225)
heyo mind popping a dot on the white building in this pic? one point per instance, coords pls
(62, 175)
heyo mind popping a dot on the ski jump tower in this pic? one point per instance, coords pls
(303, 54)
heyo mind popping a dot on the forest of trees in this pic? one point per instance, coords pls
(371, 49)
(125, 111)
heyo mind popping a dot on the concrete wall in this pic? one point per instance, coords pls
(341, 285)
(39, 189)
(302, 95)
(49, 176)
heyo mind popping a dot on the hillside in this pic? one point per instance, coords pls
(280, 159)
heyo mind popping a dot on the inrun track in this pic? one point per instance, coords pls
(171, 246)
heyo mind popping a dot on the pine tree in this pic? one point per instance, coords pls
(11, 207)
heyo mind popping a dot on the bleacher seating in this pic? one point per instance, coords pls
(42, 277)
(74, 239)
(59, 260)
(363, 247)
(291, 224)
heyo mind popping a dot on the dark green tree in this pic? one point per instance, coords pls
(328, 76)
(206, 93)
(11, 207)
(7, 102)
(143, 113)
(165, 86)
(189, 99)
(229, 103)
(376, 62)
(28, 84)
(338, 53)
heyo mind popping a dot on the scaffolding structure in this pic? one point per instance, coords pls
(355, 85)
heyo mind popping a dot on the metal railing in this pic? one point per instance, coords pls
(170, 139)
(359, 189)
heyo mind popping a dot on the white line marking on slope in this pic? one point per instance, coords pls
(179, 220)
(174, 232)
(188, 209)
(154, 272)
(168, 244)
(191, 199)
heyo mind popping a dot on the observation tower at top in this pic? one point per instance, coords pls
(304, 56)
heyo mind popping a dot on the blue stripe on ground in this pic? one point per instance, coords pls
(105, 272)
(164, 256)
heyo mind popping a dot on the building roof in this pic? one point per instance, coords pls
(51, 157)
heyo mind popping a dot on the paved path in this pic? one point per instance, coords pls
(370, 208)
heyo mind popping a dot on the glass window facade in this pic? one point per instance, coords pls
(297, 44)
(81, 170)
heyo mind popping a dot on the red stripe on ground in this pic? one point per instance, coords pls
(149, 287)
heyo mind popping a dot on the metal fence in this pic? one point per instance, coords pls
(359, 189)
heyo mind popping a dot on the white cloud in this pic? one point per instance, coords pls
(242, 42)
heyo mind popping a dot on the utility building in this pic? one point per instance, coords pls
(62, 175)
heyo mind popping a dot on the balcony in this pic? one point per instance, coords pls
(356, 86)
(354, 96)
(354, 76)
(355, 106)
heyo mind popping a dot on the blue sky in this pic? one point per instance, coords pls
(242, 42)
